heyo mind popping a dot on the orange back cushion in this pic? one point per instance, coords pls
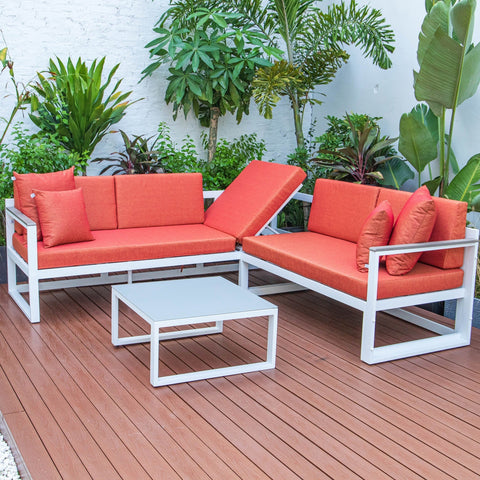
(99, 196)
(249, 202)
(159, 199)
(449, 225)
(25, 183)
(339, 209)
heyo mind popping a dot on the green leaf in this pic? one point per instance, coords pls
(462, 16)
(470, 75)
(466, 181)
(416, 142)
(395, 173)
(438, 79)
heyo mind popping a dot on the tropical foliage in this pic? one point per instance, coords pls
(361, 155)
(449, 74)
(212, 60)
(314, 43)
(72, 102)
(136, 157)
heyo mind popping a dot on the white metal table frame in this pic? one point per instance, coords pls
(214, 292)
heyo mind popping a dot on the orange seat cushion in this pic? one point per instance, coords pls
(331, 261)
(159, 199)
(449, 225)
(132, 244)
(62, 216)
(339, 209)
(249, 202)
(99, 197)
(24, 184)
(414, 225)
(376, 231)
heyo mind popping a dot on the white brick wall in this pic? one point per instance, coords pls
(36, 30)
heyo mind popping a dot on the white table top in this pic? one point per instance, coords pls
(189, 298)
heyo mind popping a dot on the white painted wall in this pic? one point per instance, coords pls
(36, 30)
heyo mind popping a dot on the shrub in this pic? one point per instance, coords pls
(31, 154)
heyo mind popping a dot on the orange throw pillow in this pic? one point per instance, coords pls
(63, 217)
(376, 231)
(25, 183)
(414, 224)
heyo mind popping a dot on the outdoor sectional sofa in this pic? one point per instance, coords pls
(155, 226)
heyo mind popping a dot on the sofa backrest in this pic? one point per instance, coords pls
(449, 225)
(339, 209)
(100, 204)
(253, 198)
(159, 199)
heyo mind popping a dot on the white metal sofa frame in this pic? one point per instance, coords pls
(99, 274)
(447, 337)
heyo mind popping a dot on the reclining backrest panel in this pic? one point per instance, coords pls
(99, 196)
(339, 209)
(449, 225)
(159, 199)
(253, 197)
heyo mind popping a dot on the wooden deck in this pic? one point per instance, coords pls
(79, 408)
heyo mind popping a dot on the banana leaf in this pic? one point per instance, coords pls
(465, 185)
(395, 173)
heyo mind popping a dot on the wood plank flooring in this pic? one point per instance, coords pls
(80, 408)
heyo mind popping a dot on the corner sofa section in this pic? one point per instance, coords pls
(323, 259)
(144, 222)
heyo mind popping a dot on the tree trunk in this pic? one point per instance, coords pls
(212, 137)
(297, 118)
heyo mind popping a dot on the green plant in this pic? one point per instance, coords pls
(137, 157)
(211, 64)
(73, 103)
(22, 92)
(359, 157)
(313, 41)
(230, 159)
(449, 74)
(31, 154)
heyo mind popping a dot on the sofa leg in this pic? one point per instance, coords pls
(368, 335)
(34, 300)
(243, 274)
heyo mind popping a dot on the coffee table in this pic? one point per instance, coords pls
(174, 303)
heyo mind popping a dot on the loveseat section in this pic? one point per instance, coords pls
(330, 261)
(131, 244)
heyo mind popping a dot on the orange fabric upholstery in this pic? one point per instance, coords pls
(132, 244)
(331, 261)
(376, 231)
(253, 197)
(62, 217)
(99, 197)
(25, 183)
(339, 209)
(413, 225)
(159, 199)
(449, 225)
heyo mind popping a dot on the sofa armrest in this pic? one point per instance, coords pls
(19, 217)
(212, 194)
(469, 243)
(304, 197)
(13, 215)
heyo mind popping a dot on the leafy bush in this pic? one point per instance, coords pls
(73, 103)
(137, 157)
(31, 154)
(353, 149)
(229, 160)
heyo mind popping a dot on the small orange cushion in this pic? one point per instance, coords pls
(414, 225)
(25, 183)
(62, 217)
(376, 231)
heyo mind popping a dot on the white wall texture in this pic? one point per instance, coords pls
(36, 30)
